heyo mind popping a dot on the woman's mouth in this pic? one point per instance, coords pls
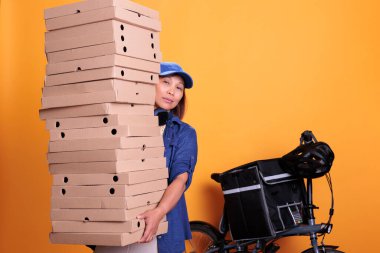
(167, 100)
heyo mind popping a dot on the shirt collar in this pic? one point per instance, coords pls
(171, 116)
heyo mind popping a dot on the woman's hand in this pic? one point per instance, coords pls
(170, 198)
(152, 220)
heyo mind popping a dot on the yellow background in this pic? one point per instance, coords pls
(264, 71)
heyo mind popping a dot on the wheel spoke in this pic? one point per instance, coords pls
(200, 242)
(204, 236)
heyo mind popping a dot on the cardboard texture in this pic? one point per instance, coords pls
(105, 239)
(84, 6)
(108, 13)
(108, 167)
(97, 227)
(102, 62)
(96, 109)
(107, 202)
(133, 177)
(84, 87)
(101, 121)
(104, 155)
(88, 214)
(103, 73)
(106, 143)
(104, 132)
(116, 47)
(108, 190)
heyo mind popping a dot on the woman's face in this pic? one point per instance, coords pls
(169, 92)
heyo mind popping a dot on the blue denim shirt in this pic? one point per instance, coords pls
(181, 151)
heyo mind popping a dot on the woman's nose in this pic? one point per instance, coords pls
(171, 91)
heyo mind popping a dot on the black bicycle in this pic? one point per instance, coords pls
(296, 216)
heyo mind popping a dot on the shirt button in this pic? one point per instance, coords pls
(159, 237)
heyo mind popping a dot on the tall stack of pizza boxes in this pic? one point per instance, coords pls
(106, 153)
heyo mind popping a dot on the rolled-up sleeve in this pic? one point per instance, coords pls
(185, 156)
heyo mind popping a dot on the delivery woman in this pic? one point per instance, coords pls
(181, 155)
(180, 142)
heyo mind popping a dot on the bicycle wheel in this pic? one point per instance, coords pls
(204, 238)
(326, 250)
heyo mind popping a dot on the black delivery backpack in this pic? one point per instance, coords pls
(262, 199)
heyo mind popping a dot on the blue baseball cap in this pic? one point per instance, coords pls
(171, 68)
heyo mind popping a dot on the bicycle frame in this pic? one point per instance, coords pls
(311, 218)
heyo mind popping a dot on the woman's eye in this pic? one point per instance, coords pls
(179, 88)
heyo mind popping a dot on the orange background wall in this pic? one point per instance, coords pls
(264, 71)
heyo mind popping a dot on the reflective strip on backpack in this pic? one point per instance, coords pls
(242, 189)
(283, 175)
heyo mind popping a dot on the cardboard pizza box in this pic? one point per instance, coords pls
(108, 190)
(133, 177)
(105, 239)
(104, 132)
(90, 92)
(96, 109)
(98, 15)
(85, 6)
(103, 27)
(106, 143)
(114, 96)
(102, 73)
(89, 214)
(98, 215)
(104, 155)
(108, 167)
(101, 121)
(102, 62)
(115, 47)
(97, 227)
(75, 36)
(130, 202)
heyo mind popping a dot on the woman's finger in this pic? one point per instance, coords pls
(147, 234)
(141, 216)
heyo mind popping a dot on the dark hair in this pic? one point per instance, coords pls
(179, 110)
